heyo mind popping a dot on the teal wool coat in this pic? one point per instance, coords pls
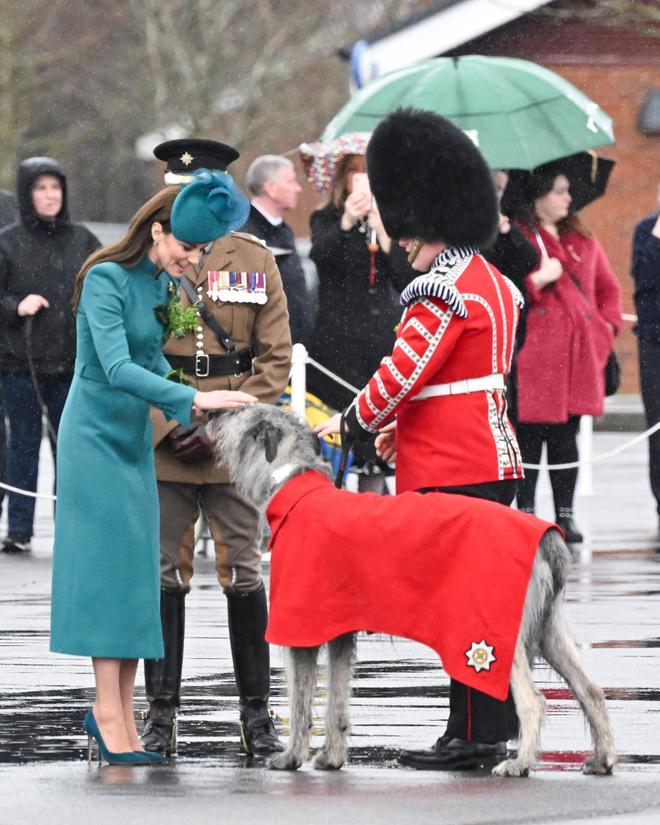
(106, 588)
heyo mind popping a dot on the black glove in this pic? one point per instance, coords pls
(192, 443)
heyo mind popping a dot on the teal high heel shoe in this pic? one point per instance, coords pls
(91, 728)
(152, 757)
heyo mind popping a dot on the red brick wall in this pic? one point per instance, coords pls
(633, 187)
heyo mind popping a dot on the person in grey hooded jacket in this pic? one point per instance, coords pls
(40, 255)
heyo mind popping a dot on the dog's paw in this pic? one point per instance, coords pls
(285, 761)
(323, 762)
(600, 766)
(510, 767)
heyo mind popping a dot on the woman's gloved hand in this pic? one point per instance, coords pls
(191, 443)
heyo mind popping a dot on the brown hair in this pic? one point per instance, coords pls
(132, 247)
(340, 185)
(539, 184)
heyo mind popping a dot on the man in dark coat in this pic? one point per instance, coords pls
(40, 256)
(646, 273)
(272, 182)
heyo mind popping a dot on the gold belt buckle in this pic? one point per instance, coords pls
(202, 371)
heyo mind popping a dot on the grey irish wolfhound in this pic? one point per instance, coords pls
(262, 447)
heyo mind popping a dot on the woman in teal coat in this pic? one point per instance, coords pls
(105, 596)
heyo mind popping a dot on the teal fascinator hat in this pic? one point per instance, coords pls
(210, 206)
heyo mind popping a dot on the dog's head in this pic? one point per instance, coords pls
(256, 441)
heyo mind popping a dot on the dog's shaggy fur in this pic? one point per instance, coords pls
(262, 447)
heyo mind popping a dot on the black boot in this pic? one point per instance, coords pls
(163, 677)
(248, 616)
(566, 520)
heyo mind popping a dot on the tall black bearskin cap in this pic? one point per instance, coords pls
(430, 181)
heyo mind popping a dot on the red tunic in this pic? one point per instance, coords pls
(445, 570)
(560, 365)
(467, 331)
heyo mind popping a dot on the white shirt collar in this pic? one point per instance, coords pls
(270, 218)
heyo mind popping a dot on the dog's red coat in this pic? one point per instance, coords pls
(445, 570)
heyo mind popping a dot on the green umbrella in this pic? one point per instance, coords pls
(518, 113)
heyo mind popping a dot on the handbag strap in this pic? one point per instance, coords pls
(544, 250)
(205, 314)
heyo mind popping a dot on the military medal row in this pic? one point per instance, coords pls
(237, 287)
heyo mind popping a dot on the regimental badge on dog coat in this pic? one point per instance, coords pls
(480, 656)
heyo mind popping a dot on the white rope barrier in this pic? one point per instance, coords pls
(572, 465)
(27, 493)
(330, 374)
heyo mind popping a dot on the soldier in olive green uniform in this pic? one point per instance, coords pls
(241, 288)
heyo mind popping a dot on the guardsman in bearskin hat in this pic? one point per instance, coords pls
(438, 400)
(239, 338)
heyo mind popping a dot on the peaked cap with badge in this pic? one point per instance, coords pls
(185, 155)
(430, 181)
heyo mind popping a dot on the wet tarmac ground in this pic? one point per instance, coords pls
(400, 699)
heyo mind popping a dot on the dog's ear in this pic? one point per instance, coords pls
(269, 436)
(272, 437)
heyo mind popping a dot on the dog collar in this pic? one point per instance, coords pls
(283, 473)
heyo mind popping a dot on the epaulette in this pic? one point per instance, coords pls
(440, 283)
(246, 236)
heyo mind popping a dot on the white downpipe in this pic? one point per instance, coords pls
(298, 380)
(586, 454)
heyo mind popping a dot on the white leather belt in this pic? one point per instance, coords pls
(463, 387)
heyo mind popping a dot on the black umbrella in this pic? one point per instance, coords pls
(587, 172)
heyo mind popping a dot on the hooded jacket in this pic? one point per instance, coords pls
(40, 257)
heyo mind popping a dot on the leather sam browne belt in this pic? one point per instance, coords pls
(207, 366)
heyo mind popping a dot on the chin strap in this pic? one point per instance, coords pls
(414, 250)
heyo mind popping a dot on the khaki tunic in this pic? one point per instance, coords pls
(264, 327)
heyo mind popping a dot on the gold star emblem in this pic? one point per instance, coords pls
(480, 655)
(186, 158)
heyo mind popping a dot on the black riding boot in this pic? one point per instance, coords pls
(163, 677)
(248, 616)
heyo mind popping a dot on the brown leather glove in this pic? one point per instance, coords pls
(191, 444)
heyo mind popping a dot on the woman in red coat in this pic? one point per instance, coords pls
(574, 312)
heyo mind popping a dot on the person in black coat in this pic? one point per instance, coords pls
(515, 257)
(273, 185)
(40, 255)
(646, 274)
(361, 273)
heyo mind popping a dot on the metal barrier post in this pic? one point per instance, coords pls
(586, 451)
(298, 379)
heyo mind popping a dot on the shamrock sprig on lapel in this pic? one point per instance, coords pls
(175, 318)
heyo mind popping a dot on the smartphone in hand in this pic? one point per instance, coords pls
(361, 183)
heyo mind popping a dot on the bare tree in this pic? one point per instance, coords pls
(223, 66)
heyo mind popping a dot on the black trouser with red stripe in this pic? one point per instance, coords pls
(474, 716)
